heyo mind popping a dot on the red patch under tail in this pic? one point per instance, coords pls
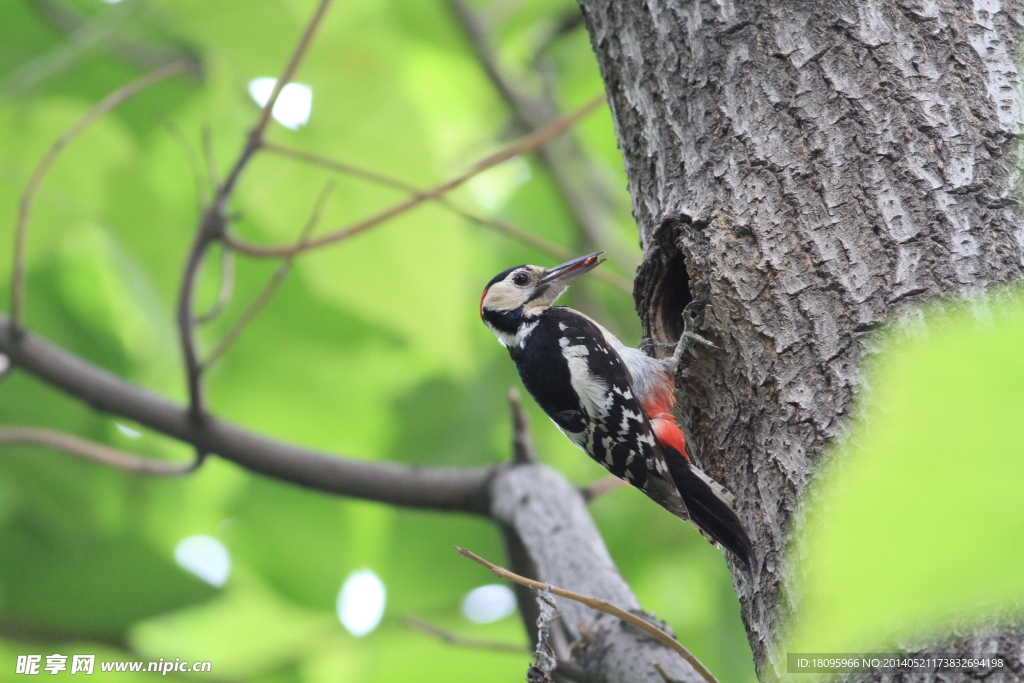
(666, 431)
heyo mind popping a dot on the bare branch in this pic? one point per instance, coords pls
(210, 158)
(530, 142)
(527, 111)
(567, 23)
(292, 66)
(226, 290)
(255, 140)
(342, 167)
(601, 487)
(28, 197)
(464, 490)
(139, 54)
(268, 290)
(212, 224)
(522, 442)
(186, 319)
(564, 162)
(95, 452)
(191, 157)
(462, 641)
(601, 606)
(548, 247)
(565, 159)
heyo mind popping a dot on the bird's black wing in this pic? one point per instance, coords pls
(583, 385)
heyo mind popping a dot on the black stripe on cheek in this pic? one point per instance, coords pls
(504, 321)
(540, 291)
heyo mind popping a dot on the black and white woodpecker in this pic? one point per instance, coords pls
(613, 401)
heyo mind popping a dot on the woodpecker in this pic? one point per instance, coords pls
(614, 402)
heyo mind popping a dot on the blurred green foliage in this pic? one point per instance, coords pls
(918, 525)
(371, 348)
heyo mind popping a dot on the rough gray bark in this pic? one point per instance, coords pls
(811, 168)
(551, 535)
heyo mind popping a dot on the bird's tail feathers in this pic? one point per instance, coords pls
(710, 508)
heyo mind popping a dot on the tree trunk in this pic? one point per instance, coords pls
(812, 169)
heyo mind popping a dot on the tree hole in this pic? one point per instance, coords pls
(662, 292)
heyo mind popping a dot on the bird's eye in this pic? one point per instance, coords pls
(520, 279)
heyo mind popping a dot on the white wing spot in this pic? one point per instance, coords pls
(593, 393)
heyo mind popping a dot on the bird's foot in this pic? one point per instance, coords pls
(647, 344)
(693, 316)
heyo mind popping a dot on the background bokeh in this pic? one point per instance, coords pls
(372, 348)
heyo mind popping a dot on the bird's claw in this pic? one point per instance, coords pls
(693, 315)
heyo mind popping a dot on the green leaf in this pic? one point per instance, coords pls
(919, 524)
(87, 588)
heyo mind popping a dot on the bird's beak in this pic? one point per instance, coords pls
(571, 270)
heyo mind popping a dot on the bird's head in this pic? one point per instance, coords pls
(516, 296)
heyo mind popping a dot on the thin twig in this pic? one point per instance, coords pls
(268, 290)
(255, 141)
(214, 220)
(601, 606)
(566, 161)
(527, 110)
(210, 158)
(522, 442)
(195, 165)
(535, 241)
(204, 237)
(111, 101)
(227, 287)
(569, 22)
(92, 35)
(462, 641)
(601, 487)
(341, 167)
(548, 247)
(95, 452)
(138, 54)
(528, 143)
(435, 488)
